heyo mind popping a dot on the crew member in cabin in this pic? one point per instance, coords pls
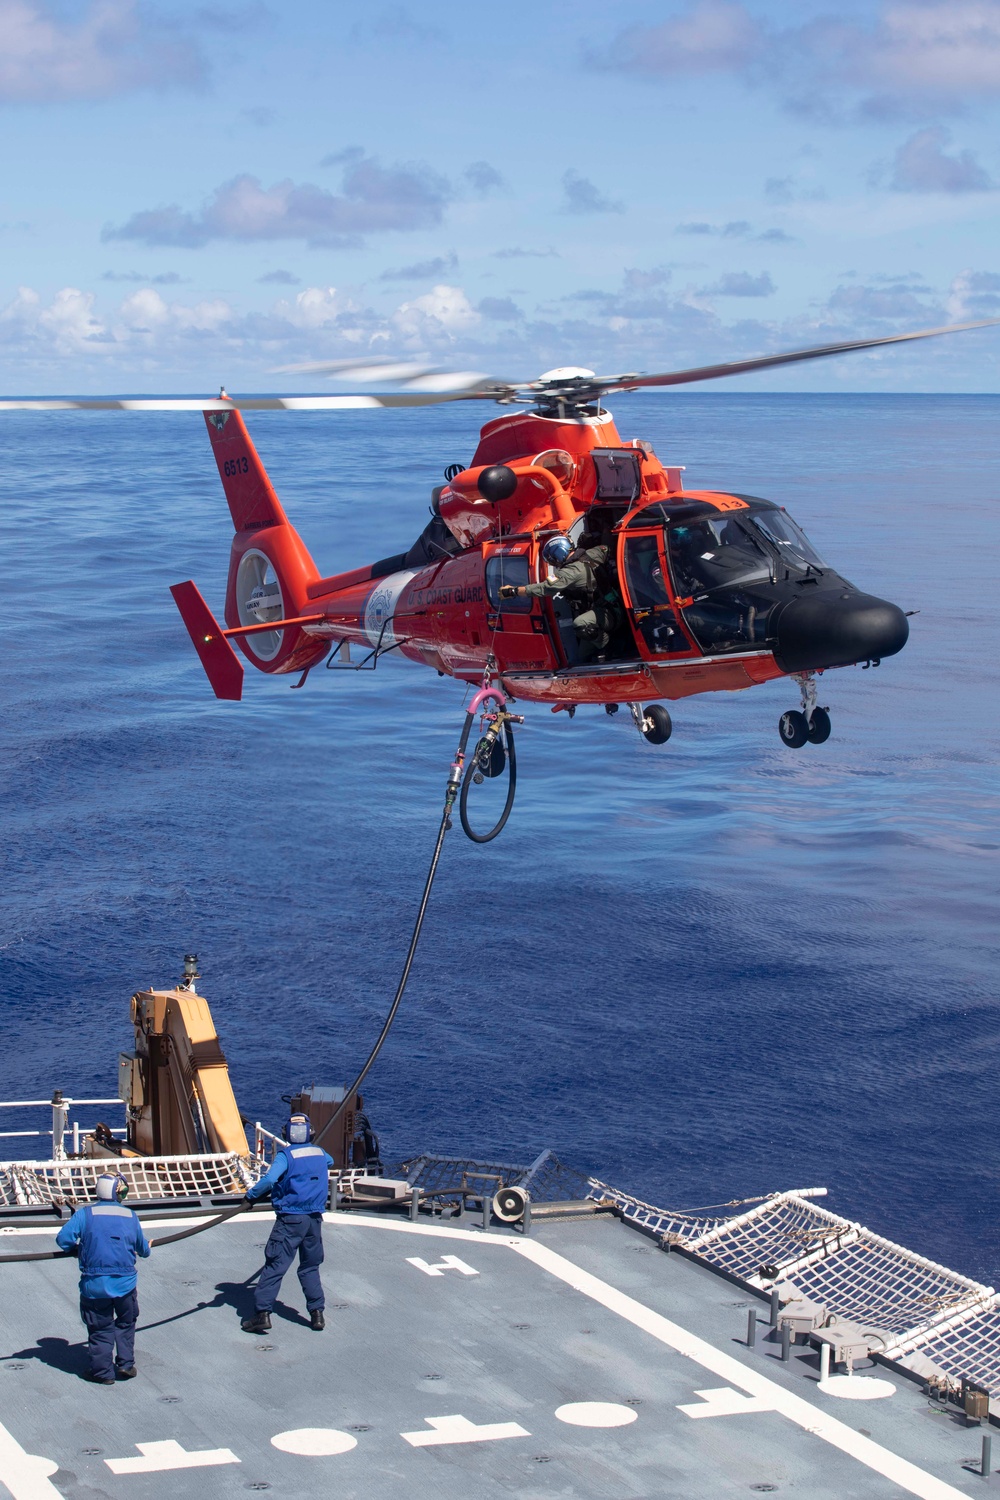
(583, 575)
(107, 1237)
(298, 1181)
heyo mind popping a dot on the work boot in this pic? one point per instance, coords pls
(126, 1372)
(99, 1379)
(317, 1322)
(259, 1323)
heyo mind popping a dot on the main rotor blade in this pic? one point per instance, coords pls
(770, 361)
(415, 377)
(245, 403)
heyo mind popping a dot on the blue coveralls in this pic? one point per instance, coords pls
(110, 1237)
(299, 1183)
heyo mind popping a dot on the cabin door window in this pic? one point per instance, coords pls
(651, 611)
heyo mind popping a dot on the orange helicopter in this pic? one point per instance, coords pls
(696, 590)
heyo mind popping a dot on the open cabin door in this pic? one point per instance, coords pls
(517, 628)
(652, 615)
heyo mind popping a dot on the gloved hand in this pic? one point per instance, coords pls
(248, 1202)
(508, 591)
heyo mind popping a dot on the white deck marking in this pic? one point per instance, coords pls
(25, 1475)
(803, 1413)
(157, 1457)
(446, 1263)
(856, 1387)
(314, 1442)
(811, 1418)
(459, 1429)
(595, 1414)
(725, 1402)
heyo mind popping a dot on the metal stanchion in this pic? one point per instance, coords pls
(775, 1306)
(824, 1362)
(984, 1467)
(786, 1342)
(414, 1203)
(751, 1328)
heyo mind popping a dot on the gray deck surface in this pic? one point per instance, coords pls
(511, 1344)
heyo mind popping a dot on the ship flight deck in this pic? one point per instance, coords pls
(578, 1360)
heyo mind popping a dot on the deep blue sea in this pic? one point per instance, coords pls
(703, 971)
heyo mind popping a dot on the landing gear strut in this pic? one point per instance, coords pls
(654, 724)
(811, 725)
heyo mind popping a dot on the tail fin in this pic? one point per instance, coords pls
(253, 503)
(270, 569)
(220, 661)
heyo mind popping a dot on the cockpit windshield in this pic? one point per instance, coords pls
(716, 553)
(793, 546)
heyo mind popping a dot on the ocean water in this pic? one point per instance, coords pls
(704, 971)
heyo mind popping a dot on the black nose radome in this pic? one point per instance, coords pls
(834, 630)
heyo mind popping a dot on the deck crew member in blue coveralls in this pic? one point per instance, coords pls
(107, 1237)
(299, 1183)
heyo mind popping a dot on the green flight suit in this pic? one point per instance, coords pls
(593, 617)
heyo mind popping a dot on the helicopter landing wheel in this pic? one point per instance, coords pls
(657, 726)
(819, 727)
(793, 727)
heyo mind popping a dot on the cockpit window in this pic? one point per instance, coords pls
(715, 553)
(793, 546)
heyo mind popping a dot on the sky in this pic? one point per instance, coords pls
(199, 195)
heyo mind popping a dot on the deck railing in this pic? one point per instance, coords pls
(61, 1125)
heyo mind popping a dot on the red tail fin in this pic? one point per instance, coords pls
(253, 503)
(220, 661)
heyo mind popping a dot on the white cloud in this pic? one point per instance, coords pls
(949, 47)
(923, 166)
(740, 284)
(374, 199)
(974, 294)
(713, 35)
(69, 319)
(148, 341)
(915, 56)
(115, 48)
(144, 310)
(445, 310)
(580, 196)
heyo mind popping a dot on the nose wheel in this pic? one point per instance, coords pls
(810, 725)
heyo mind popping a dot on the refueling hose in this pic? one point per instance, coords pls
(480, 766)
(451, 793)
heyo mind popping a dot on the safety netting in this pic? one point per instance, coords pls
(875, 1281)
(669, 1226)
(966, 1347)
(913, 1306)
(148, 1177)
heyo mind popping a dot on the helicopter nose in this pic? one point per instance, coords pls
(835, 630)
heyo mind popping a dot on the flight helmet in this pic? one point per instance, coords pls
(556, 550)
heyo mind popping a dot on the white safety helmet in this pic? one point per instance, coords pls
(111, 1188)
(298, 1130)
